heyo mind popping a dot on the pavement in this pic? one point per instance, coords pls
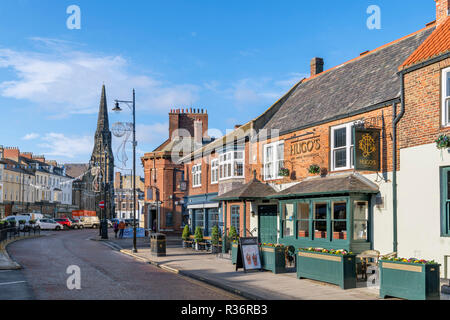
(218, 271)
(6, 263)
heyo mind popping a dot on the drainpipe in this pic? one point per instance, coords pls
(396, 119)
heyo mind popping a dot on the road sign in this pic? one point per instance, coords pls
(101, 204)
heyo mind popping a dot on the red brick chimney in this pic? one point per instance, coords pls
(316, 66)
(442, 11)
(185, 119)
(12, 153)
(27, 155)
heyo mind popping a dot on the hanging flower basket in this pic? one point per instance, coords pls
(284, 172)
(314, 169)
(443, 142)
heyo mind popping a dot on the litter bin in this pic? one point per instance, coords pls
(158, 244)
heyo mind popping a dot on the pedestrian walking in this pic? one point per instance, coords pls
(116, 228)
(121, 228)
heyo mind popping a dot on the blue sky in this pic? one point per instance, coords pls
(233, 58)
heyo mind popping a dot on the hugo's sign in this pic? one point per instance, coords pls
(305, 146)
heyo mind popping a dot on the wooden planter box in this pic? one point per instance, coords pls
(340, 235)
(234, 252)
(303, 234)
(272, 259)
(409, 280)
(331, 268)
(320, 234)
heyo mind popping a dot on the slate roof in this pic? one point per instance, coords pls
(76, 170)
(361, 84)
(338, 184)
(437, 43)
(255, 189)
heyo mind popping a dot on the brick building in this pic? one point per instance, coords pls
(328, 149)
(164, 177)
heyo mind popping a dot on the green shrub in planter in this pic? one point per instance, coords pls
(411, 279)
(186, 234)
(215, 239)
(198, 236)
(22, 221)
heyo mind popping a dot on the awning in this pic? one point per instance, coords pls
(203, 206)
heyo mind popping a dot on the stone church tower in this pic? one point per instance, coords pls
(102, 154)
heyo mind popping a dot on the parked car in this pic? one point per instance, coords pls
(49, 224)
(66, 223)
(90, 222)
(110, 223)
(76, 224)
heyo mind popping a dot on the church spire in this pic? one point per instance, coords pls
(103, 122)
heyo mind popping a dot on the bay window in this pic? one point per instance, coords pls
(342, 144)
(445, 97)
(273, 160)
(197, 175)
(231, 165)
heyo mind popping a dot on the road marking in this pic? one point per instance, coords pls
(8, 283)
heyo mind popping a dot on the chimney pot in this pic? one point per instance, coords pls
(316, 66)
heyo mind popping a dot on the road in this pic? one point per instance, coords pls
(105, 273)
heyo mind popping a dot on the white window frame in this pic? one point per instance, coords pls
(445, 103)
(197, 175)
(214, 171)
(276, 161)
(228, 162)
(348, 146)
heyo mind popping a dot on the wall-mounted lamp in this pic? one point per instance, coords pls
(253, 213)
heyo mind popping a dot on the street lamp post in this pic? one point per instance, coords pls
(118, 109)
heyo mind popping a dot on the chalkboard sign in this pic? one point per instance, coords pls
(248, 254)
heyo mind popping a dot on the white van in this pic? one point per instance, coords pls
(17, 218)
(90, 222)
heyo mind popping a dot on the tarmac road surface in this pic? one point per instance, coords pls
(104, 273)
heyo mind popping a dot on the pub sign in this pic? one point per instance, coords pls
(367, 149)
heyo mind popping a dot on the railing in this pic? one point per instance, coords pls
(15, 232)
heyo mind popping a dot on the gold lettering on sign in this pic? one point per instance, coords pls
(303, 147)
(367, 145)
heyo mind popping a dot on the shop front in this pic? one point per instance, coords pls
(333, 212)
(203, 213)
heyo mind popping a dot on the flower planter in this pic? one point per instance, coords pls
(303, 234)
(331, 268)
(340, 235)
(234, 252)
(273, 259)
(320, 235)
(409, 280)
(184, 244)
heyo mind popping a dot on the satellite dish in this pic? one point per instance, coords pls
(119, 129)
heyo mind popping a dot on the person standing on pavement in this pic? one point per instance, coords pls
(116, 228)
(121, 228)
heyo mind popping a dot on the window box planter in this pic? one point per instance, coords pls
(411, 281)
(320, 234)
(234, 252)
(303, 234)
(273, 259)
(331, 268)
(340, 235)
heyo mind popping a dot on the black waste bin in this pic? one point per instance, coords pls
(158, 244)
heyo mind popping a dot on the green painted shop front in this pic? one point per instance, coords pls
(327, 221)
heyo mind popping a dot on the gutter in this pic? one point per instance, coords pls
(395, 120)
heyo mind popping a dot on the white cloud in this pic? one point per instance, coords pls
(31, 136)
(60, 145)
(63, 80)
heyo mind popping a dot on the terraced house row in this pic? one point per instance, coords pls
(30, 183)
(346, 159)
